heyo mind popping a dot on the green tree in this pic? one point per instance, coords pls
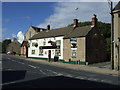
(4, 44)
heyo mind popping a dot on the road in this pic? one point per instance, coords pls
(20, 73)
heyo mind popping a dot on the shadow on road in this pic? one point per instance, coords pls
(59, 82)
(9, 76)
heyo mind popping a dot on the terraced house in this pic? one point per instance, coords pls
(116, 14)
(29, 33)
(73, 44)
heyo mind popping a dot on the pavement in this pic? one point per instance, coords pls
(102, 68)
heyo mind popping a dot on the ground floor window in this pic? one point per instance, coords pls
(40, 51)
(57, 52)
(33, 51)
(73, 53)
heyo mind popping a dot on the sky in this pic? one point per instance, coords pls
(18, 16)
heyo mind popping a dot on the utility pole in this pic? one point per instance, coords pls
(112, 36)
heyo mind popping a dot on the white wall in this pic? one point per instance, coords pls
(45, 51)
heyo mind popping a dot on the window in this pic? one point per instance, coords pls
(58, 42)
(44, 42)
(73, 53)
(33, 51)
(73, 42)
(40, 51)
(58, 51)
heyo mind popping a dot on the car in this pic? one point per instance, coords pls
(11, 53)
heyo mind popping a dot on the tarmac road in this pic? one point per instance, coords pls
(20, 73)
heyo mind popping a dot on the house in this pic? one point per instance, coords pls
(14, 46)
(116, 25)
(73, 44)
(29, 33)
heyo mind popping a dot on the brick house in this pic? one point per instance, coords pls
(71, 44)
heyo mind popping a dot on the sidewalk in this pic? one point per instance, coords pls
(89, 68)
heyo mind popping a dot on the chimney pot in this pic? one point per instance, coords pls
(48, 27)
(94, 20)
(75, 22)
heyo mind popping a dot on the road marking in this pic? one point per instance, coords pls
(68, 75)
(81, 77)
(32, 66)
(58, 74)
(21, 63)
(42, 72)
(8, 83)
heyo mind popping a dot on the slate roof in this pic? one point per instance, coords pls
(67, 32)
(53, 33)
(79, 32)
(37, 28)
(117, 7)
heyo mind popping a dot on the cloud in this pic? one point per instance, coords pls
(64, 13)
(20, 36)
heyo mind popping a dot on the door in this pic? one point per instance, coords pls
(49, 55)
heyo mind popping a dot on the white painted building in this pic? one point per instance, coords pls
(44, 45)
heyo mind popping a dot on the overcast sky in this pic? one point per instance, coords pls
(17, 17)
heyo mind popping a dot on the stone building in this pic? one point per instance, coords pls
(116, 22)
(14, 46)
(83, 45)
(29, 33)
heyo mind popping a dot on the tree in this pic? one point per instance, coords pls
(4, 44)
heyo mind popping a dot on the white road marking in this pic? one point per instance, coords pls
(8, 83)
(81, 77)
(32, 66)
(69, 75)
(42, 72)
(58, 74)
(21, 63)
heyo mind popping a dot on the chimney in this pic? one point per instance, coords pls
(14, 39)
(37, 30)
(94, 20)
(75, 22)
(48, 27)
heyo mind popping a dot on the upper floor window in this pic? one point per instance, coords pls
(58, 42)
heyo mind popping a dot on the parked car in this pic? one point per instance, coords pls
(11, 53)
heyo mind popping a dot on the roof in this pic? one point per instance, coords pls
(67, 32)
(53, 33)
(79, 32)
(36, 28)
(117, 7)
